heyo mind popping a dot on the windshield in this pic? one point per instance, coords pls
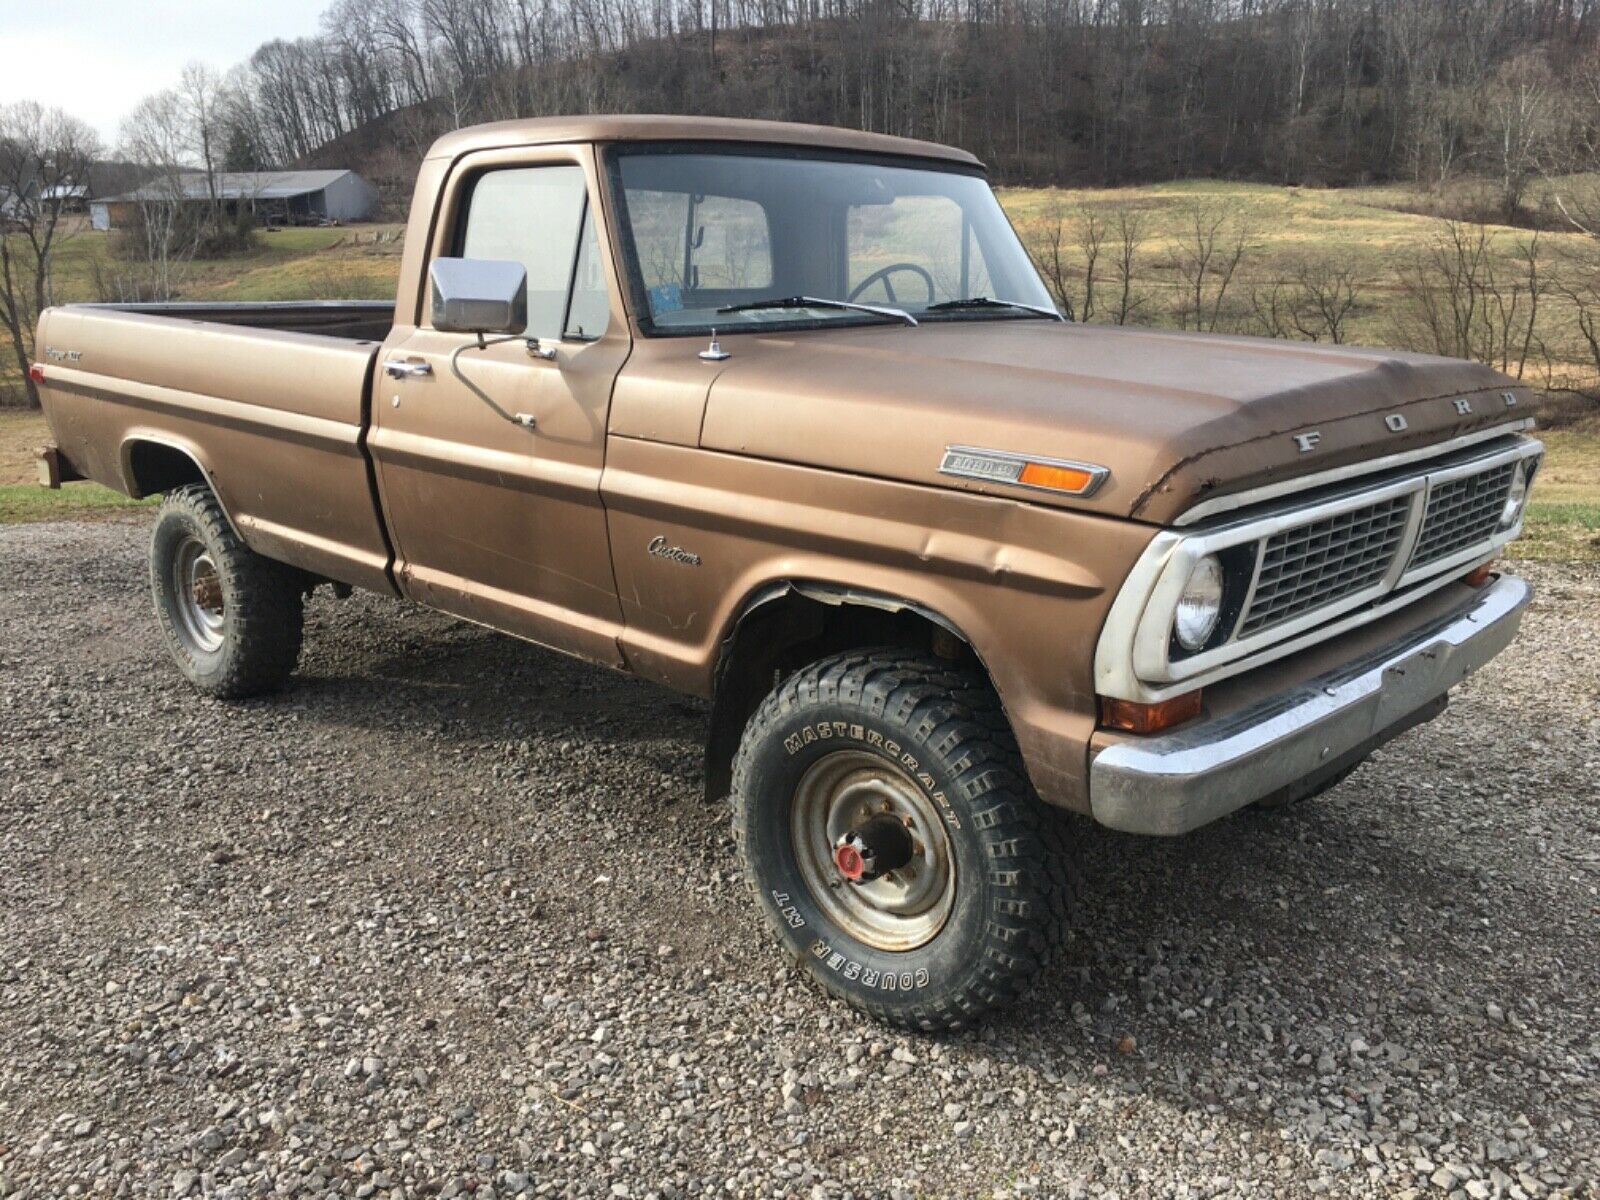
(706, 231)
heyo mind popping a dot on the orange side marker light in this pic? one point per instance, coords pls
(1134, 717)
(1056, 478)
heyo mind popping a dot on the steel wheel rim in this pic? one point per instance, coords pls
(904, 909)
(197, 587)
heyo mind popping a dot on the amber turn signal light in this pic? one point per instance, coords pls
(1058, 479)
(1478, 576)
(1148, 718)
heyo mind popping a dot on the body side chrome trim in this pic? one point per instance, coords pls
(1272, 491)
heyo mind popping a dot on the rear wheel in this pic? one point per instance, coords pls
(891, 839)
(232, 619)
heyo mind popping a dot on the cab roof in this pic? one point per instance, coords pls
(641, 128)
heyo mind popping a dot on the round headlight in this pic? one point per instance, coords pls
(1516, 497)
(1200, 604)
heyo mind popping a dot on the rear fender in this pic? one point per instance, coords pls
(139, 486)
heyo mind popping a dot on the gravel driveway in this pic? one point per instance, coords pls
(452, 919)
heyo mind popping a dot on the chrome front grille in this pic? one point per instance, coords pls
(1299, 570)
(1462, 513)
(1321, 563)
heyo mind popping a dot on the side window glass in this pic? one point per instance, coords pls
(590, 311)
(530, 215)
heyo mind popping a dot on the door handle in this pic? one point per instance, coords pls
(399, 368)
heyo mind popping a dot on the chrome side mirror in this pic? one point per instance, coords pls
(479, 295)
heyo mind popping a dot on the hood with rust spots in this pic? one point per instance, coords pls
(1176, 417)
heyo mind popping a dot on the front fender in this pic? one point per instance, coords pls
(1027, 587)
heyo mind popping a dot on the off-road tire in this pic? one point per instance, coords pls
(944, 727)
(262, 601)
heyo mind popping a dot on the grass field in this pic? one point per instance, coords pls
(1367, 231)
(1564, 514)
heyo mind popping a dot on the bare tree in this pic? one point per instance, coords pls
(44, 158)
(1050, 255)
(1576, 197)
(1130, 239)
(1519, 126)
(157, 136)
(1211, 245)
(1314, 304)
(1056, 262)
(1461, 297)
(202, 105)
(1091, 233)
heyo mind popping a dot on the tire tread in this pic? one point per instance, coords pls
(957, 715)
(266, 604)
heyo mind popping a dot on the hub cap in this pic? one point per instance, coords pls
(876, 889)
(197, 589)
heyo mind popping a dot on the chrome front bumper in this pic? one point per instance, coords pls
(1176, 782)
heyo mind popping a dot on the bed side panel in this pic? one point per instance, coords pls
(276, 421)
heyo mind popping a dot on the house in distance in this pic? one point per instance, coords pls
(273, 197)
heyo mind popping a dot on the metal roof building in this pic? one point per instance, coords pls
(294, 197)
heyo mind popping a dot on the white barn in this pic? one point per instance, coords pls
(286, 197)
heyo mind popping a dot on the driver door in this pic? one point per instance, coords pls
(489, 459)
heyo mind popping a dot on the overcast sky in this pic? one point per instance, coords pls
(97, 58)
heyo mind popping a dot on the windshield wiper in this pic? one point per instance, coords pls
(877, 310)
(991, 302)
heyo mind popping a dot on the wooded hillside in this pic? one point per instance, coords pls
(1047, 91)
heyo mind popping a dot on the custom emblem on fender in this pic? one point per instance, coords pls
(62, 355)
(660, 548)
(1307, 441)
(1395, 422)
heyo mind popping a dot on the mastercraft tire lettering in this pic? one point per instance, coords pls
(891, 840)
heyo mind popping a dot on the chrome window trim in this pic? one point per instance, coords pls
(1304, 483)
(1130, 656)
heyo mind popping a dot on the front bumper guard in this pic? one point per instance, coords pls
(1172, 783)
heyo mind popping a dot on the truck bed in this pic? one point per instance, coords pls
(270, 401)
(359, 320)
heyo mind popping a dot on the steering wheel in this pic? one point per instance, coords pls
(883, 273)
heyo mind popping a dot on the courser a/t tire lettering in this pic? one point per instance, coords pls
(853, 743)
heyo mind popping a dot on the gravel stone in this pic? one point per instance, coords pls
(450, 918)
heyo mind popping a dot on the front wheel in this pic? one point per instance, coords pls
(891, 840)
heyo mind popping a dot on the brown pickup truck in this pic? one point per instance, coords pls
(783, 417)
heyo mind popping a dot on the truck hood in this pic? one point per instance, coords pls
(1175, 417)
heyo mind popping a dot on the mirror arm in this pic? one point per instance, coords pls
(482, 343)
